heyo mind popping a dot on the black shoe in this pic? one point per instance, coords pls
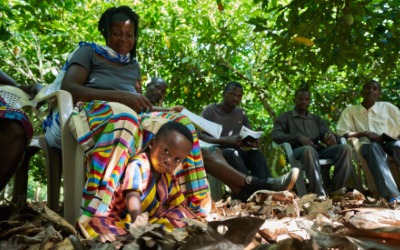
(243, 195)
(254, 184)
(284, 182)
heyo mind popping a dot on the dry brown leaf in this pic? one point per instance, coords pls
(378, 224)
(315, 207)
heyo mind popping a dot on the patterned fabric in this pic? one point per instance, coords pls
(111, 135)
(16, 114)
(192, 175)
(160, 199)
(104, 51)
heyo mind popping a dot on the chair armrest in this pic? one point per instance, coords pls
(63, 100)
(16, 97)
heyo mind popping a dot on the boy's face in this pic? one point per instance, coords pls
(168, 151)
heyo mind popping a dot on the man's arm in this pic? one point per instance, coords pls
(7, 80)
(233, 140)
(280, 132)
(345, 127)
(326, 135)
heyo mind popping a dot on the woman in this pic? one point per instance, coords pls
(103, 81)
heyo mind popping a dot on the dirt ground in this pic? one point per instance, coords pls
(270, 220)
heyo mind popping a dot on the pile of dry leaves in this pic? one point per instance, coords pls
(271, 220)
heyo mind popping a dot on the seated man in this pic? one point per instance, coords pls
(215, 164)
(311, 140)
(369, 121)
(156, 90)
(232, 118)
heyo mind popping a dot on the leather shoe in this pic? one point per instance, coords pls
(284, 182)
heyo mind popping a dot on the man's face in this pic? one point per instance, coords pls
(371, 91)
(302, 101)
(233, 96)
(154, 94)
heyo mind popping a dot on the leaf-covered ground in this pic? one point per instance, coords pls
(271, 220)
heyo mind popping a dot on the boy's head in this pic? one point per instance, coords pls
(171, 145)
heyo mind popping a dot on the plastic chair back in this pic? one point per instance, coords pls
(72, 154)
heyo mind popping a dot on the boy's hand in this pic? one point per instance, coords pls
(107, 238)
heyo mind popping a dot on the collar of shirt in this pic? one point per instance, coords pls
(296, 114)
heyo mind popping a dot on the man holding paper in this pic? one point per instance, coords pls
(377, 125)
(243, 155)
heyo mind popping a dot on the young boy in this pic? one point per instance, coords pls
(148, 185)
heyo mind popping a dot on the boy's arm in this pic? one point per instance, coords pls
(133, 204)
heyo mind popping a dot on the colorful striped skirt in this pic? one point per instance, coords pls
(111, 134)
(6, 112)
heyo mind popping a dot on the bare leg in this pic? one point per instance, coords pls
(216, 165)
(13, 141)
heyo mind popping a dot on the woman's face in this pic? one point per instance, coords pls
(121, 37)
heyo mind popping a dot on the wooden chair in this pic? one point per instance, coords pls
(363, 165)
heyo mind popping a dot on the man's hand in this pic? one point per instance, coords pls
(373, 136)
(305, 141)
(251, 142)
(233, 140)
(330, 138)
(32, 89)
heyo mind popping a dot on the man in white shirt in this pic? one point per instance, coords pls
(368, 121)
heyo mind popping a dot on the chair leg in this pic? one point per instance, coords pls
(395, 170)
(54, 173)
(357, 180)
(300, 185)
(326, 177)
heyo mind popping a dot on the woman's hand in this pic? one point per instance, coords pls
(136, 101)
(178, 108)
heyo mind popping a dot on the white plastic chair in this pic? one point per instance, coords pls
(72, 154)
(18, 99)
(362, 164)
